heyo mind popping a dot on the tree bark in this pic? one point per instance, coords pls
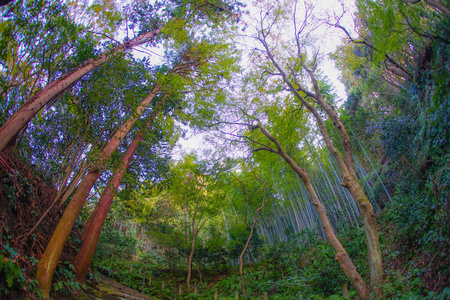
(346, 166)
(439, 6)
(194, 236)
(120, 171)
(351, 183)
(94, 225)
(191, 255)
(47, 264)
(32, 106)
(341, 255)
(50, 258)
(91, 235)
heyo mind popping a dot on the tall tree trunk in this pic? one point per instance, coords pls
(47, 264)
(32, 106)
(50, 258)
(94, 225)
(345, 164)
(351, 183)
(341, 256)
(195, 231)
(92, 234)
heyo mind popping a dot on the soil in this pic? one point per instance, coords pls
(24, 197)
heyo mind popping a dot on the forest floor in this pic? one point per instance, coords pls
(112, 290)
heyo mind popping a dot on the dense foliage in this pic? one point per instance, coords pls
(245, 215)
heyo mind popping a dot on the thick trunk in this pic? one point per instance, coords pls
(50, 258)
(47, 264)
(32, 106)
(92, 233)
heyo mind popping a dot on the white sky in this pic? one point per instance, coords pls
(330, 40)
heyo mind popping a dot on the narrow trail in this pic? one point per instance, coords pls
(115, 290)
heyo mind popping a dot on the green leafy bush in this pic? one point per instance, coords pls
(11, 274)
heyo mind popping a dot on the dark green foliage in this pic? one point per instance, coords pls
(65, 284)
(113, 241)
(11, 274)
(38, 42)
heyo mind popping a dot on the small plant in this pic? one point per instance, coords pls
(68, 284)
(10, 272)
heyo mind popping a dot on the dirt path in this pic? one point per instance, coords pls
(113, 290)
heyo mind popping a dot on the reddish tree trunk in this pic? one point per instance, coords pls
(50, 258)
(95, 224)
(10, 129)
(47, 264)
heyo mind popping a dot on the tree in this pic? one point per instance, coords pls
(341, 255)
(94, 226)
(254, 194)
(49, 260)
(279, 70)
(28, 110)
(174, 18)
(313, 100)
(196, 190)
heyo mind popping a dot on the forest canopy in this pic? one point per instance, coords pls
(194, 149)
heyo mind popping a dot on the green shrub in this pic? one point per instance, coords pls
(11, 274)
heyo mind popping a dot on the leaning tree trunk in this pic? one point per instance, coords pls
(10, 129)
(93, 227)
(347, 170)
(341, 256)
(92, 233)
(241, 256)
(50, 258)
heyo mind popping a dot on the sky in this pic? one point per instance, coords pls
(328, 38)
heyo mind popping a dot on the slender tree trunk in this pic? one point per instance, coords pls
(351, 183)
(99, 213)
(346, 166)
(191, 255)
(341, 255)
(50, 258)
(32, 106)
(94, 225)
(241, 263)
(92, 232)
